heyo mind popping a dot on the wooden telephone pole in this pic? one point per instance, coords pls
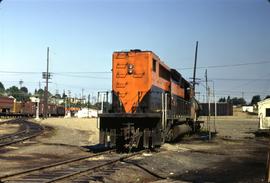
(267, 176)
(195, 65)
(46, 76)
(209, 106)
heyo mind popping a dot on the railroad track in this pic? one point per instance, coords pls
(26, 131)
(71, 170)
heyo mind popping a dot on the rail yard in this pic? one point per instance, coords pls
(154, 91)
(26, 131)
(66, 152)
(151, 130)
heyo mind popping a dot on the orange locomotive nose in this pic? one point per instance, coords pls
(131, 77)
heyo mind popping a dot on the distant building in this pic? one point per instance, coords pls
(56, 101)
(222, 109)
(77, 100)
(264, 114)
(247, 108)
(87, 113)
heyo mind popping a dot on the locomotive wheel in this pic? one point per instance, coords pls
(169, 136)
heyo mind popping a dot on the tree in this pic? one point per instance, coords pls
(228, 99)
(40, 93)
(242, 101)
(58, 96)
(24, 89)
(222, 99)
(268, 96)
(64, 95)
(2, 88)
(18, 94)
(15, 92)
(255, 99)
(238, 101)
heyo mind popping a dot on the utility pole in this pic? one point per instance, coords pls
(215, 103)
(69, 98)
(102, 102)
(209, 107)
(82, 94)
(89, 100)
(268, 168)
(195, 65)
(46, 76)
(88, 106)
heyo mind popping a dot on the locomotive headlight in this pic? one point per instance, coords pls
(130, 68)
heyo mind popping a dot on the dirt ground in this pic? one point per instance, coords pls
(233, 155)
(63, 139)
(72, 131)
(8, 128)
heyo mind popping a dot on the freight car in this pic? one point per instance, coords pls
(10, 107)
(6, 104)
(151, 103)
(29, 109)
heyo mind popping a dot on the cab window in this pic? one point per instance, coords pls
(164, 73)
(154, 65)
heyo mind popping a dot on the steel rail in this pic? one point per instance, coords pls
(94, 167)
(26, 130)
(10, 177)
(54, 165)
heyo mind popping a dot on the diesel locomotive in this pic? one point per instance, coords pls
(151, 103)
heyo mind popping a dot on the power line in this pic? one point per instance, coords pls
(20, 72)
(240, 91)
(227, 65)
(16, 81)
(64, 74)
(30, 72)
(82, 76)
(109, 72)
(77, 86)
(87, 72)
(241, 79)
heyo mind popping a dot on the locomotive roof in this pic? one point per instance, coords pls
(173, 71)
(137, 51)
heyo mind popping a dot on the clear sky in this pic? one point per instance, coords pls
(82, 35)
